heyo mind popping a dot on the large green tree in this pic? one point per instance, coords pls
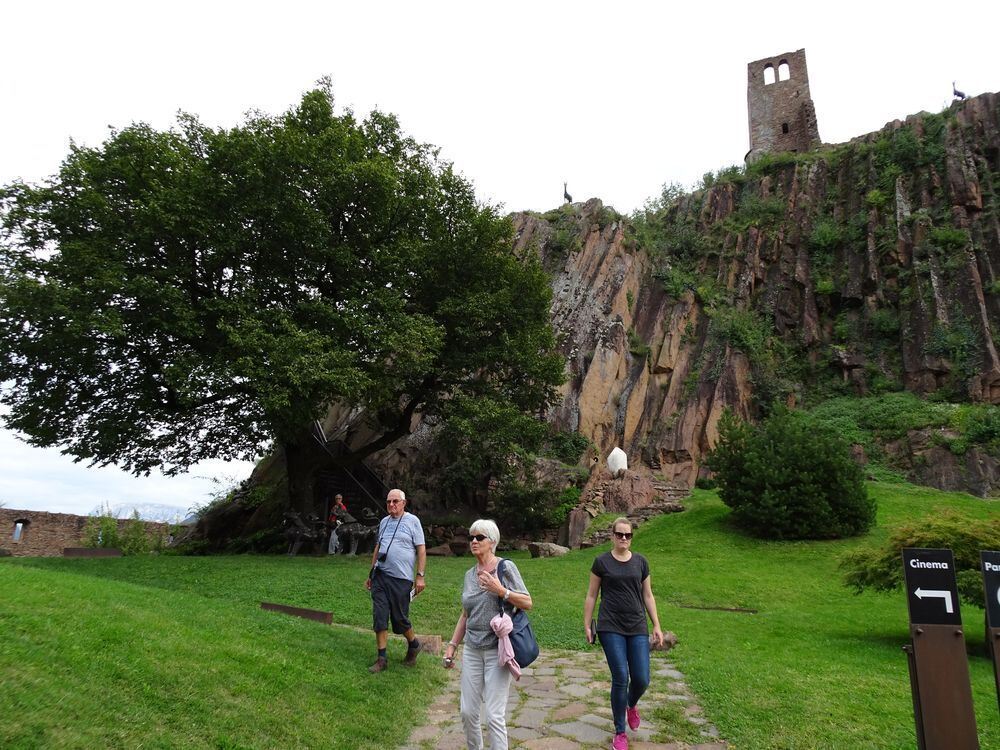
(201, 293)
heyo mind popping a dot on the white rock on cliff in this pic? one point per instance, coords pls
(617, 462)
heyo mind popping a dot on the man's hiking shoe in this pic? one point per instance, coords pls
(411, 656)
(381, 664)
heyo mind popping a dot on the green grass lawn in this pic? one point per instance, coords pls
(174, 652)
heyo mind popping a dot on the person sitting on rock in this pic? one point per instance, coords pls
(337, 510)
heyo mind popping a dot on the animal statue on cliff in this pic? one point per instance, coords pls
(960, 95)
(299, 531)
(566, 196)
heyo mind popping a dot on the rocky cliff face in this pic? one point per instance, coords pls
(631, 348)
(853, 269)
(857, 268)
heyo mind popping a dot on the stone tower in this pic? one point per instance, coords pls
(781, 111)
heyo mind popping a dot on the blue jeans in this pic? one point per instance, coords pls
(628, 658)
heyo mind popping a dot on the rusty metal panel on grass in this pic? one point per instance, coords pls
(310, 614)
(91, 552)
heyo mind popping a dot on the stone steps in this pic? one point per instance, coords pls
(636, 518)
(667, 499)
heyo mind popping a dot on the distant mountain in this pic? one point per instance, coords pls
(147, 512)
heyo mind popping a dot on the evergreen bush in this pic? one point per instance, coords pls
(880, 567)
(790, 479)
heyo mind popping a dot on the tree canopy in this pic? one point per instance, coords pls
(172, 296)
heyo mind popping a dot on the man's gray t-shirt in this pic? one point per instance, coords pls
(401, 549)
(481, 606)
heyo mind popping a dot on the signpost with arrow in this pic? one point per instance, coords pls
(949, 608)
(939, 668)
(990, 563)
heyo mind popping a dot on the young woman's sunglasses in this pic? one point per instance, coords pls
(479, 537)
(623, 534)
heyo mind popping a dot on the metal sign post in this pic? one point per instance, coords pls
(939, 668)
(990, 564)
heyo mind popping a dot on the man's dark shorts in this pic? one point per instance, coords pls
(390, 601)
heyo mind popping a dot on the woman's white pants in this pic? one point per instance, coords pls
(485, 684)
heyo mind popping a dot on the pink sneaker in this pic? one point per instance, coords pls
(620, 742)
(632, 717)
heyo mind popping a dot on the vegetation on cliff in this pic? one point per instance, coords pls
(877, 423)
(857, 269)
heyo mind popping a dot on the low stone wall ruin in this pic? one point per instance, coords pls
(42, 534)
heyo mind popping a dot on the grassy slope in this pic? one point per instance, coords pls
(89, 662)
(817, 667)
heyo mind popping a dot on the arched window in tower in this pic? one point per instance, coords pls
(768, 74)
(783, 72)
(784, 127)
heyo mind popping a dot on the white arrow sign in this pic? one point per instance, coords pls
(946, 595)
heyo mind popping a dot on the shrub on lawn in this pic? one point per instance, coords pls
(134, 539)
(880, 567)
(131, 538)
(789, 479)
(101, 531)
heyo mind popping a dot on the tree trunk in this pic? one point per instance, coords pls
(302, 460)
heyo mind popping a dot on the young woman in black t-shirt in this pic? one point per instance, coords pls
(622, 577)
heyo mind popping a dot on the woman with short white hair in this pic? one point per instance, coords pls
(485, 681)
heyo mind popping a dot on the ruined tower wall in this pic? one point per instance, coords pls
(781, 112)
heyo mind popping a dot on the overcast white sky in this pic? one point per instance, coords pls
(615, 98)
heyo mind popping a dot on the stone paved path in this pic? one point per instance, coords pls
(561, 703)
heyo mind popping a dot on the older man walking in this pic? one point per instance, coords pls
(399, 543)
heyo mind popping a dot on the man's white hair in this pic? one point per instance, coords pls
(487, 527)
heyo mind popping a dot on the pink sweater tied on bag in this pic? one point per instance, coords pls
(502, 625)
